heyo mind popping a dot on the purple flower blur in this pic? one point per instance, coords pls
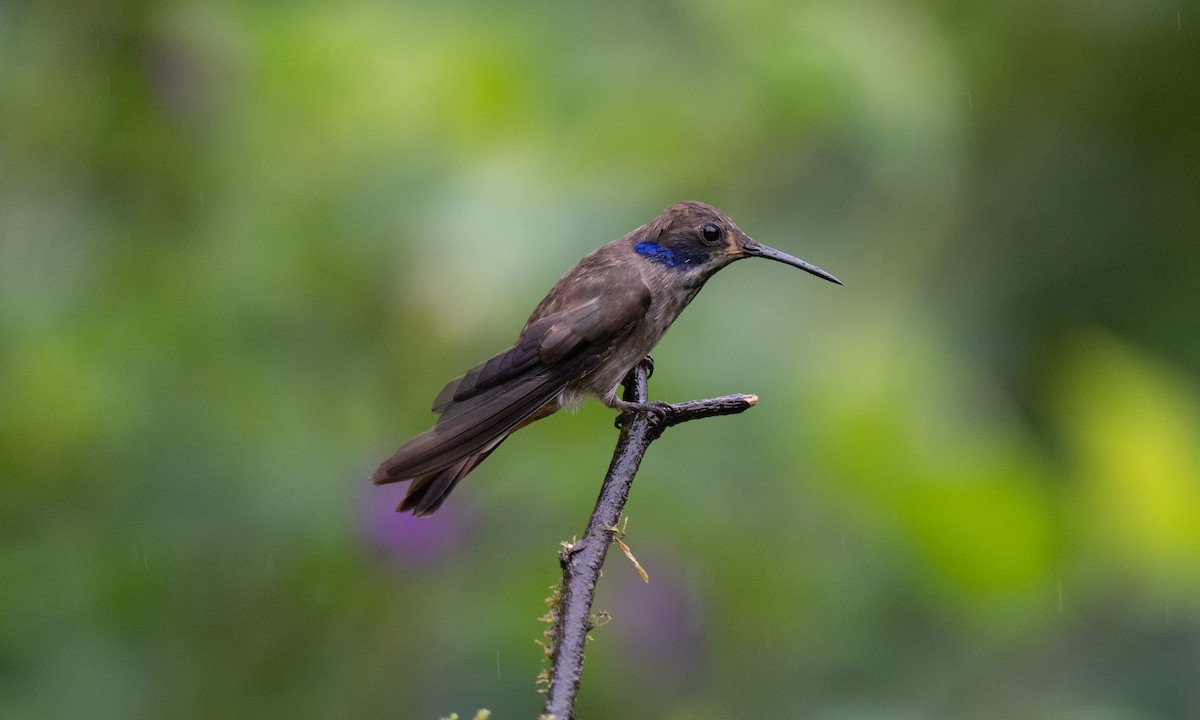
(660, 625)
(412, 542)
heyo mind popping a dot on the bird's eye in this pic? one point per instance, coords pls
(710, 233)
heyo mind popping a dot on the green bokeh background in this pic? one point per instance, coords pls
(243, 246)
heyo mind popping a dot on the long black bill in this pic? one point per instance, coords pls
(754, 249)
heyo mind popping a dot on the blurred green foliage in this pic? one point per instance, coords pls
(242, 247)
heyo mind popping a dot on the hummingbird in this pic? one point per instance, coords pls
(597, 322)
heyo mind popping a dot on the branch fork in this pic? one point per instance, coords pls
(582, 561)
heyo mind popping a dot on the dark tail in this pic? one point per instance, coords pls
(482, 408)
(427, 492)
(438, 458)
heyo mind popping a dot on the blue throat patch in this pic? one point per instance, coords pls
(658, 253)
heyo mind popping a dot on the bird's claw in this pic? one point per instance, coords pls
(648, 363)
(656, 411)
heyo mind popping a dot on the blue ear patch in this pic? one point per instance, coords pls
(659, 253)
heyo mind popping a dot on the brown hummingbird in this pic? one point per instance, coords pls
(597, 322)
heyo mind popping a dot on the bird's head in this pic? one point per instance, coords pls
(698, 240)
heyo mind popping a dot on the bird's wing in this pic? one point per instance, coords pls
(495, 396)
(559, 345)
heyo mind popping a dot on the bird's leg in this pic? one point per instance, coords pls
(656, 410)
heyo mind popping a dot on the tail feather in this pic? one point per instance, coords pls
(437, 459)
(468, 430)
(497, 397)
(427, 492)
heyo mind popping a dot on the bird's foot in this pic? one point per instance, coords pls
(656, 411)
(648, 363)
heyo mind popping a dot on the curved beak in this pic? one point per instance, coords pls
(754, 249)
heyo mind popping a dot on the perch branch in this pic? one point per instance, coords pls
(581, 561)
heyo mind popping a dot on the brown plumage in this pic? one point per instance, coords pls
(594, 325)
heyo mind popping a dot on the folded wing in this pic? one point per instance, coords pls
(481, 408)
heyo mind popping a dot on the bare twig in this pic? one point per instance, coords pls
(581, 561)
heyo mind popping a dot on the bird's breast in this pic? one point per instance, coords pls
(629, 347)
